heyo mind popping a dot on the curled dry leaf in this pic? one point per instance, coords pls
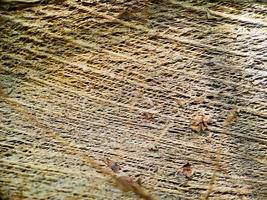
(148, 116)
(187, 170)
(114, 166)
(200, 122)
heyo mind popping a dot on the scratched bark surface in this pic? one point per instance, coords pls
(123, 80)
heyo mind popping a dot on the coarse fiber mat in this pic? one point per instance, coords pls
(133, 99)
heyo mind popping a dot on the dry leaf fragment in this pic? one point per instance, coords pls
(148, 116)
(114, 166)
(187, 170)
(200, 122)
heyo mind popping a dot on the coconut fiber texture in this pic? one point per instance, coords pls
(133, 99)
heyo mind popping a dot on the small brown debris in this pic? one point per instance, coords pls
(148, 116)
(114, 166)
(139, 181)
(181, 103)
(200, 122)
(187, 170)
(231, 117)
(153, 147)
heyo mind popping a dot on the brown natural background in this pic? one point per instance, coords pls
(133, 99)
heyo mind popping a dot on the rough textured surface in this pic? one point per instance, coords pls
(88, 80)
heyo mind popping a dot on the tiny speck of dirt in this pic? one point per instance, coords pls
(114, 166)
(187, 170)
(148, 116)
(153, 147)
